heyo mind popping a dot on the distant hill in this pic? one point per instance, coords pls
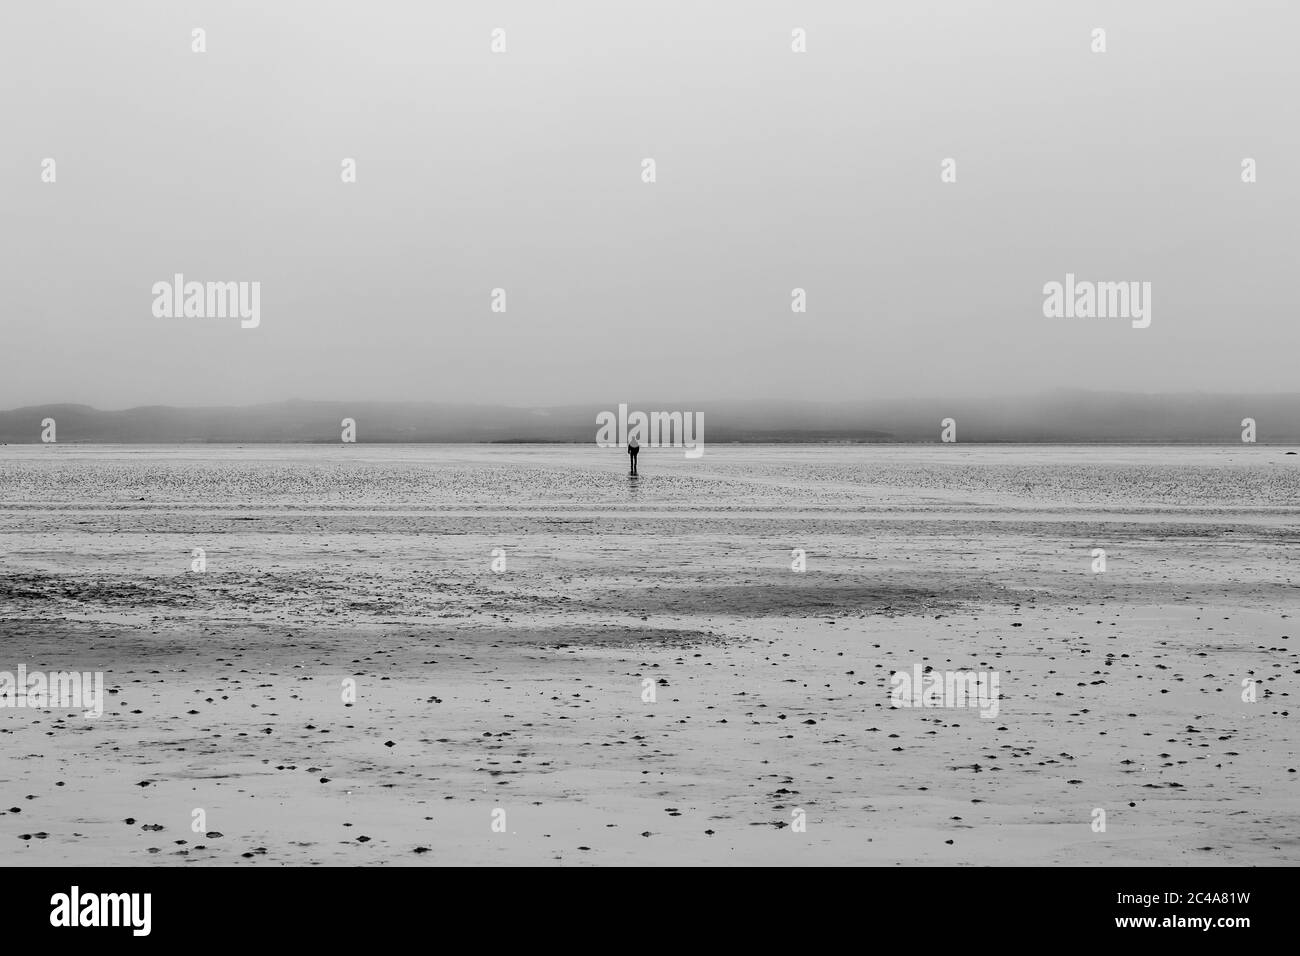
(1058, 416)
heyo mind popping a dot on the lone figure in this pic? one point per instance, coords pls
(633, 446)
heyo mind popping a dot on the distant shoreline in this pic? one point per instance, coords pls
(1060, 417)
(199, 443)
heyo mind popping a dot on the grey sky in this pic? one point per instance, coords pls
(522, 170)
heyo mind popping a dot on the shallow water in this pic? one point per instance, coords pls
(726, 477)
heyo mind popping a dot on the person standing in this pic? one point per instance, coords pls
(633, 446)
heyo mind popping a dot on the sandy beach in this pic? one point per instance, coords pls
(523, 689)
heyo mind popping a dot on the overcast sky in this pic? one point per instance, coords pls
(522, 170)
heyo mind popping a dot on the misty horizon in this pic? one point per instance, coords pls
(1060, 416)
(1006, 395)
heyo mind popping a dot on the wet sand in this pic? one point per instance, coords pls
(523, 690)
